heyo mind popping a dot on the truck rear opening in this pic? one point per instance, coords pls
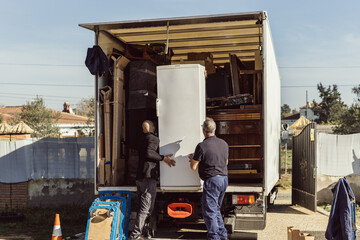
(242, 96)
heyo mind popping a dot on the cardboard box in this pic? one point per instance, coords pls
(295, 234)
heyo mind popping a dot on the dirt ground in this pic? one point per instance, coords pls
(279, 217)
(282, 214)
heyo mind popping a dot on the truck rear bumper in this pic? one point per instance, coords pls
(231, 188)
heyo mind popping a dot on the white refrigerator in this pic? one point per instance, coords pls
(181, 111)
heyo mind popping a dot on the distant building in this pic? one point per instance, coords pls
(70, 125)
(307, 111)
(289, 120)
(67, 108)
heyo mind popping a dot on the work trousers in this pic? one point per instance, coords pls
(146, 189)
(213, 194)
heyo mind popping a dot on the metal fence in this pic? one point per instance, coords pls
(304, 168)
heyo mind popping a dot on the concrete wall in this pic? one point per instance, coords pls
(326, 183)
(60, 192)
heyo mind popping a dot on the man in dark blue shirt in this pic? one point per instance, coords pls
(211, 157)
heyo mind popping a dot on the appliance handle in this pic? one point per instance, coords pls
(157, 107)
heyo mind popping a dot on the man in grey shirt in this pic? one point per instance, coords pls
(211, 157)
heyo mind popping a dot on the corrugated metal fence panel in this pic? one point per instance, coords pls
(304, 168)
(46, 158)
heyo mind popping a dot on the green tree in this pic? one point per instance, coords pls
(350, 122)
(331, 108)
(86, 108)
(356, 90)
(39, 118)
(285, 109)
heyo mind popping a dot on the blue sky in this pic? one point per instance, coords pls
(41, 43)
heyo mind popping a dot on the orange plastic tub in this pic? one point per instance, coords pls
(179, 210)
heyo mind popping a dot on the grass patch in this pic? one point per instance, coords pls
(327, 207)
(285, 181)
(39, 222)
(289, 159)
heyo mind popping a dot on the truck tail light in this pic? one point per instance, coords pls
(243, 199)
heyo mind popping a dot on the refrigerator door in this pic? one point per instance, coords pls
(181, 111)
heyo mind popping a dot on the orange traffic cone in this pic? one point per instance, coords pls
(56, 235)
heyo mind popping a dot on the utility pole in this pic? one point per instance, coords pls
(307, 105)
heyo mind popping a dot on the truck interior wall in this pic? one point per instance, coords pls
(271, 111)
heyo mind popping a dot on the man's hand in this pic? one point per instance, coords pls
(193, 163)
(169, 161)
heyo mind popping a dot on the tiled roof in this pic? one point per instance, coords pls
(65, 118)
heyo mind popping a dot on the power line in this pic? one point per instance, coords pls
(4, 98)
(41, 65)
(40, 95)
(311, 86)
(45, 84)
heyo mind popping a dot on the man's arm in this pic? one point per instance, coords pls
(193, 163)
(152, 154)
(152, 144)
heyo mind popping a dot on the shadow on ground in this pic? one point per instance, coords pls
(201, 235)
(284, 208)
(196, 231)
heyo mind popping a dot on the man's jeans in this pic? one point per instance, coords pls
(146, 190)
(213, 194)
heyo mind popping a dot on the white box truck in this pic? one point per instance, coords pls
(247, 115)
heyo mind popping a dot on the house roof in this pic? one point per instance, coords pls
(65, 118)
(292, 117)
